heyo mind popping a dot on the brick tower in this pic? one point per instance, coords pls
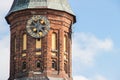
(40, 40)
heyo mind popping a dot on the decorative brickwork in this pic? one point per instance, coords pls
(37, 64)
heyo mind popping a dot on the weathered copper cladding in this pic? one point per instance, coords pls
(61, 5)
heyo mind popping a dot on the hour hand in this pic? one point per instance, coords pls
(34, 24)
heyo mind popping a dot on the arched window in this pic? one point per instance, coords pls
(38, 64)
(24, 65)
(24, 41)
(38, 43)
(54, 41)
(54, 64)
(65, 67)
(65, 43)
(15, 44)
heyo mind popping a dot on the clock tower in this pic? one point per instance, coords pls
(40, 40)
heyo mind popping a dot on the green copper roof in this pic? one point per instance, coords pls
(61, 5)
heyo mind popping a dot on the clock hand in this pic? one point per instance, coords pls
(40, 28)
(43, 31)
(37, 31)
(35, 24)
(32, 26)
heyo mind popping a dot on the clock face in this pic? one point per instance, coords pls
(38, 26)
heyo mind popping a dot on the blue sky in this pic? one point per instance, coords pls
(96, 40)
(97, 19)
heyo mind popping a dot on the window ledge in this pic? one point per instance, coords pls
(65, 52)
(54, 50)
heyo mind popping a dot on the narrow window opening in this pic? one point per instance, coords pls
(65, 43)
(24, 65)
(54, 65)
(54, 41)
(38, 43)
(65, 67)
(38, 64)
(15, 44)
(24, 41)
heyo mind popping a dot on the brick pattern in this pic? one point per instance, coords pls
(60, 22)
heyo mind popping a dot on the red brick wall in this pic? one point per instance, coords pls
(60, 22)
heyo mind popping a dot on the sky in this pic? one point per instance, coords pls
(95, 44)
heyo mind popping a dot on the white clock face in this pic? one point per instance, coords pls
(38, 26)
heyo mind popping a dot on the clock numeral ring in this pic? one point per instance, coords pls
(39, 25)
